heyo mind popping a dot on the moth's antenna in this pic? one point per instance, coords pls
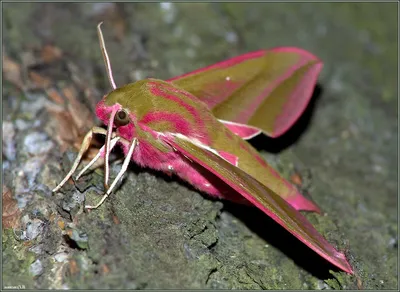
(105, 56)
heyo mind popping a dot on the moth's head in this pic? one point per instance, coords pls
(120, 103)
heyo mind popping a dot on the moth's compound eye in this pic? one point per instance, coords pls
(121, 118)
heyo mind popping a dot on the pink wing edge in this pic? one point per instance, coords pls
(338, 257)
(311, 79)
(244, 131)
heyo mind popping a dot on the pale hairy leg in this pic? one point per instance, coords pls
(99, 154)
(107, 148)
(119, 175)
(84, 147)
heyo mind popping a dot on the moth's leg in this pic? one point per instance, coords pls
(107, 148)
(99, 154)
(84, 147)
(119, 176)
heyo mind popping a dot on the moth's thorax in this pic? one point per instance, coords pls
(148, 95)
(158, 105)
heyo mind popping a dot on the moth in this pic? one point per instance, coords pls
(196, 126)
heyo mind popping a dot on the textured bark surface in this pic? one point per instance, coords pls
(155, 231)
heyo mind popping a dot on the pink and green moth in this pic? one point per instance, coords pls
(196, 126)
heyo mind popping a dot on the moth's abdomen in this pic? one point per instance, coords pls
(207, 182)
(146, 155)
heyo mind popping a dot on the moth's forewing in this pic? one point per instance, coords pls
(262, 197)
(267, 89)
